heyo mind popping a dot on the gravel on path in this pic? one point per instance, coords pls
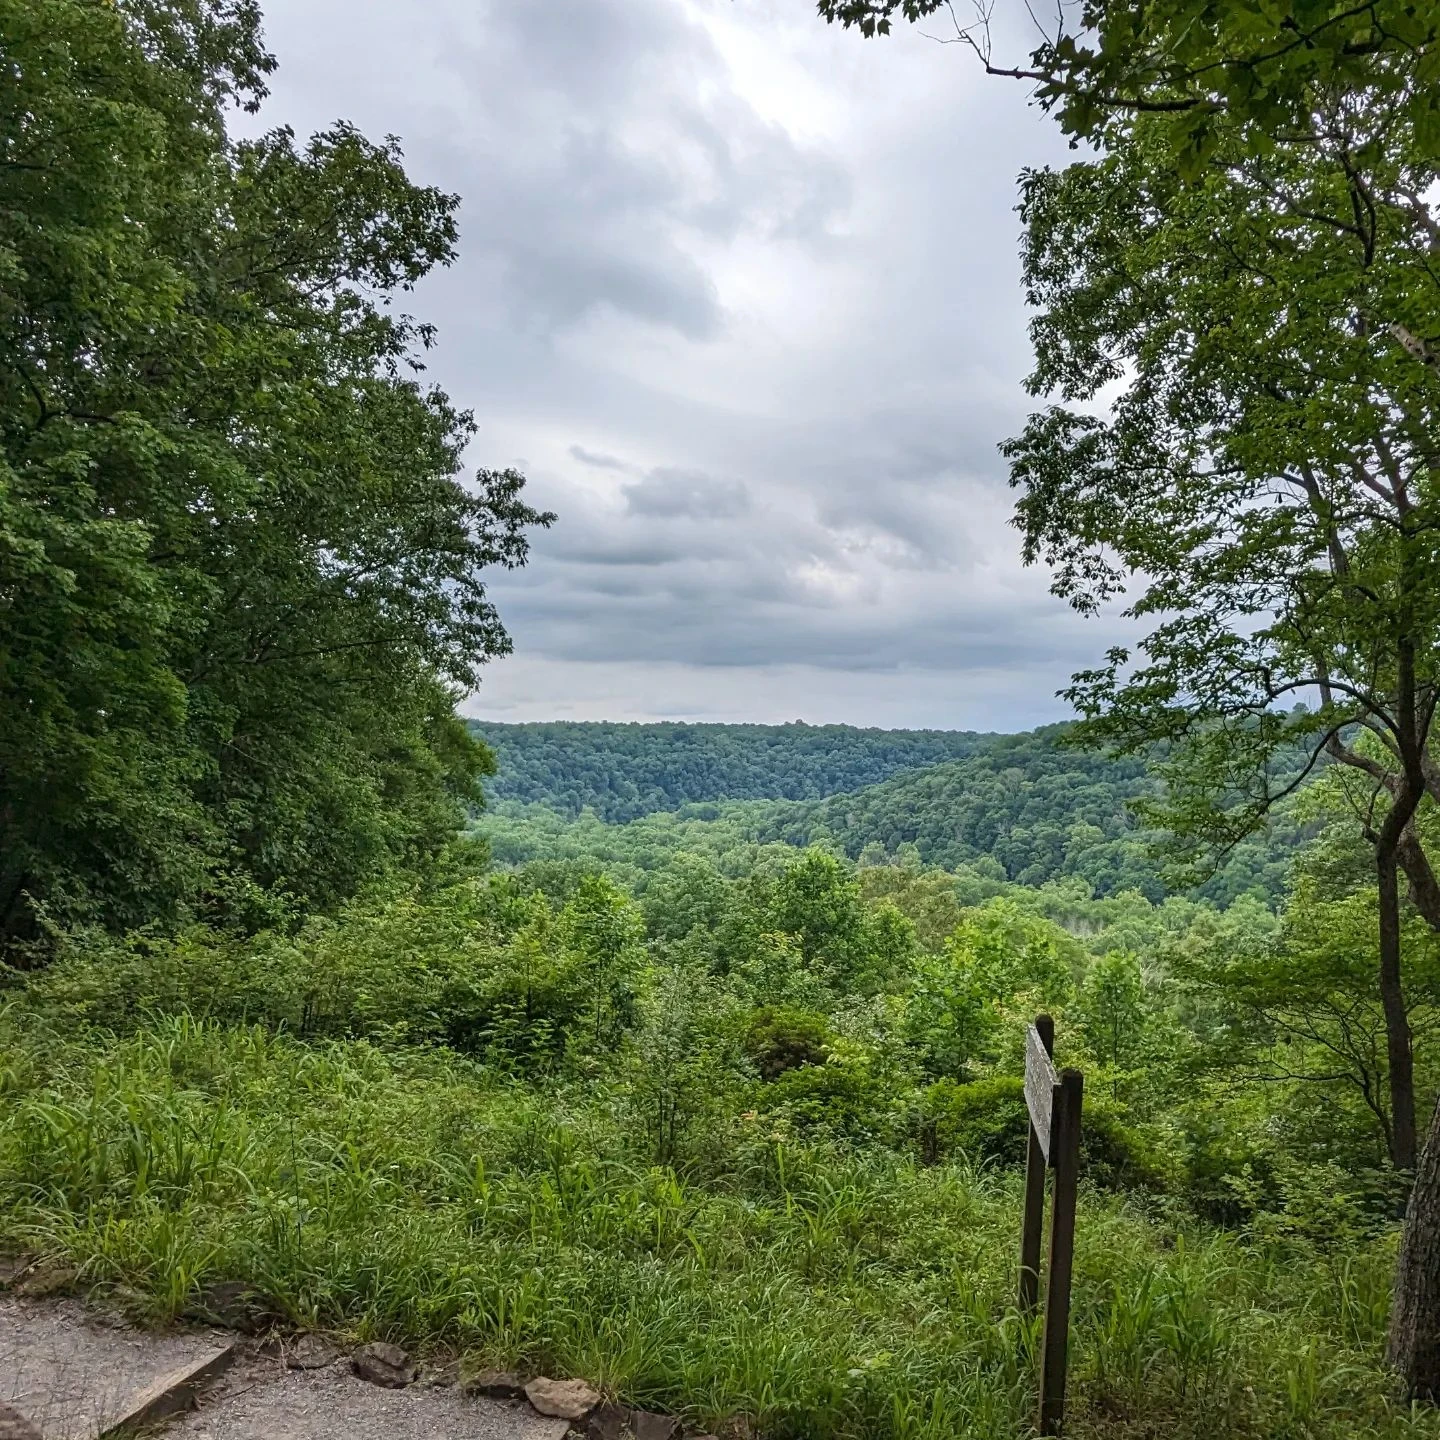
(261, 1400)
(72, 1373)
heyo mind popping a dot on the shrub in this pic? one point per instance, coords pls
(987, 1120)
(843, 1098)
(780, 1039)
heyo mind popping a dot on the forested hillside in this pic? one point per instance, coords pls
(1028, 805)
(624, 771)
(1042, 810)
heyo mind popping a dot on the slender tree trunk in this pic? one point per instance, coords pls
(1424, 887)
(1415, 1308)
(1397, 1022)
(1415, 1312)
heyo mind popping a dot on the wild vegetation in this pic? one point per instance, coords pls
(1028, 808)
(1242, 281)
(694, 1066)
(240, 573)
(623, 772)
(745, 1145)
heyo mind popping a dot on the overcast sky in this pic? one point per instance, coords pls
(739, 293)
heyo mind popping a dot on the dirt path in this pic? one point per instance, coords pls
(76, 1375)
(260, 1398)
(73, 1375)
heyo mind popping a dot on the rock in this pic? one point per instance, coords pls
(501, 1384)
(646, 1425)
(14, 1426)
(41, 1281)
(609, 1422)
(442, 1377)
(381, 1363)
(564, 1399)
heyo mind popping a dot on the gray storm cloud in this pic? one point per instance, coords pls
(688, 493)
(741, 294)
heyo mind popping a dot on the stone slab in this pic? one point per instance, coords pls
(76, 1376)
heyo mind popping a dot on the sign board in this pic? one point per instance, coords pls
(1054, 1102)
(1041, 1083)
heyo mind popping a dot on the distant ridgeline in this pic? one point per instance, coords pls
(1019, 807)
(622, 772)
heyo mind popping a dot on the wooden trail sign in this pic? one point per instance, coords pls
(1041, 1081)
(1054, 1103)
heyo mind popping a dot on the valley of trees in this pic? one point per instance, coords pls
(691, 1062)
(1029, 807)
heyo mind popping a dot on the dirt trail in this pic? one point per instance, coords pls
(261, 1398)
(76, 1375)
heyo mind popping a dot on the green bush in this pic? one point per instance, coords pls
(1229, 1170)
(988, 1121)
(1119, 1155)
(984, 1120)
(400, 967)
(779, 1039)
(843, 1099)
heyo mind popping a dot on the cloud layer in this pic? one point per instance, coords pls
(740, 295)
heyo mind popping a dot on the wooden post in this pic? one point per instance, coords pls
(1065, 1157)
(1033, 1230)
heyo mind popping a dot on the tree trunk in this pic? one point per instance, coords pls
(1414, 1347)
(1424, 888)
(1397, 1022)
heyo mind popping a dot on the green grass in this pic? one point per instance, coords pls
(413, 1195)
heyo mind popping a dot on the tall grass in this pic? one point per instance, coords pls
(414, 1195)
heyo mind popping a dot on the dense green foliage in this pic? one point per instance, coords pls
(622, 772)
(1280, 436)
(822, 1294)
(741, 1145)
(1262, 485)
(240, 574)
(1228, 70)
(1238, 311)
(1026, 808)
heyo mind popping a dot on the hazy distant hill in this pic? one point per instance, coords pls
(1035, 808)
(625, 771)
(1040, 809)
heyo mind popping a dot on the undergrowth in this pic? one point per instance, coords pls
(825, 1292)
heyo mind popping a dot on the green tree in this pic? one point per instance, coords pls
(602, 931)
(856, 949)
(1113, 1014)
(1258, 71)
(1269, 467)
(1266, 479)
(240, 573)
(1001, 964)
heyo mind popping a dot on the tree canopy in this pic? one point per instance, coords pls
(1239, 318)
(624, 771)
(1029, 807)
(1204, 70)
(1262, 475)
(240, 571)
